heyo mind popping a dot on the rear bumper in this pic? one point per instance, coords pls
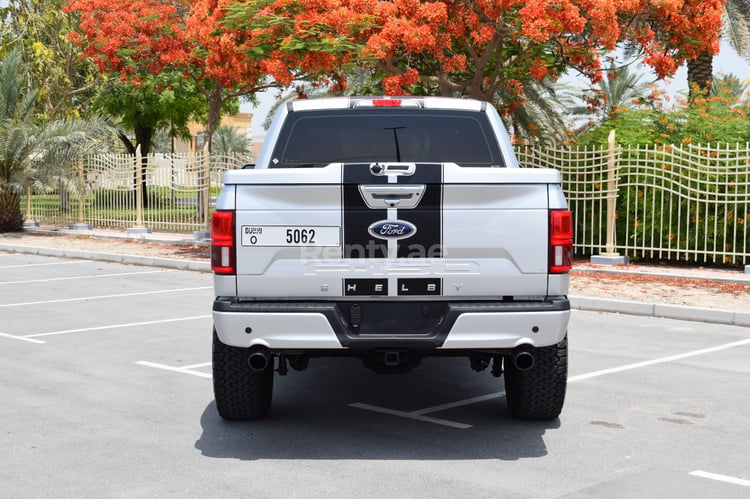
(304, 326)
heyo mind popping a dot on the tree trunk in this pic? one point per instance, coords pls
(141, 134)
(143, 138)
(64, 198)
(11, 217)
(215, 101)
(700, 74)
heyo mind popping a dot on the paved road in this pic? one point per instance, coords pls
(106, 391)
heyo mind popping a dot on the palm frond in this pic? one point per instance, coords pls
(228, 140)
(618, 89)
(16, 100)
(736, 26)
(542, 113)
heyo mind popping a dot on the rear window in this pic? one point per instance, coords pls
(317, 138)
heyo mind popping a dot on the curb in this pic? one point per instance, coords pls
(696, 314)
(149, 237)
(169, 263)
(662, 310)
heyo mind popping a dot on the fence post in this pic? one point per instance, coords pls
(80, 224)
(206, 185)
(81, 199)
(610, 256)
(28, 222)
(139, 228)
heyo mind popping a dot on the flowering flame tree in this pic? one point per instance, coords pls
(485, 49)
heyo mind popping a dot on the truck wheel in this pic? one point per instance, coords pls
(241, 393)
(538, 393)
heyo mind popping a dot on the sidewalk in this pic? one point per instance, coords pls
(87, 244)
(118, 234)
(186, 252)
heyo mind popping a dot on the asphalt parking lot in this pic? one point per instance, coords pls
(106, 392)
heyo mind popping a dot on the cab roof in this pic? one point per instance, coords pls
(394, 102)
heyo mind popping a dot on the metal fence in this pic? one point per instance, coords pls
(164, 192)
(682, 203)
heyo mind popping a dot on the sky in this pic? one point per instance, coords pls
(726, 62)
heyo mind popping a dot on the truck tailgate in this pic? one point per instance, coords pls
(424, 230)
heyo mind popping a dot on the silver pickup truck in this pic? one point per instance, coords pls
(390, 229)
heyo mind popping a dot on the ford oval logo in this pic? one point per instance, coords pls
(392, 229)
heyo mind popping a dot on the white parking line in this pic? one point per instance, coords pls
(96, 276)
(66, 262)
(21, 338)
(420, 414)
(661, 360)
(196, 366)
(411, 415)
(103, 297)
(721, 478)
(183, 369)
(453, 405)
(115, 326)
(572, 379)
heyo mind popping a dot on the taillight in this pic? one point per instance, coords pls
(222, 242)
(560, 241)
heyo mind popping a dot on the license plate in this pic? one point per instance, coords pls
(284, 235)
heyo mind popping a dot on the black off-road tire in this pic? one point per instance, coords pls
(538, 393)
(241, 394)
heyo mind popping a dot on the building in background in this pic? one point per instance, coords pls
(241, 121)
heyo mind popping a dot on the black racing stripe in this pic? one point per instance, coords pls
(358, 243)
(427, 216)
(359, 173)
(425, 173)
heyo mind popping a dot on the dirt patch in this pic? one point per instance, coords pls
(693, 292)
(125, 246)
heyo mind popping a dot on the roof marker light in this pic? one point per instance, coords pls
(386, 102)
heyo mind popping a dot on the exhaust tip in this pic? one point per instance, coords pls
(259, 360)
(523, 360)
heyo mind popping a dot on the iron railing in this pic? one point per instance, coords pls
(681, 203)
(166, 192)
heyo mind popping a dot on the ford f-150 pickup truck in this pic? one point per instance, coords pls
(391, 230)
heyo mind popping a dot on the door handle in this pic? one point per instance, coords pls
(392, 196)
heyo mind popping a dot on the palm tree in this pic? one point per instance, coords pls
(227, 140)
(15, 112)
(540, 117)
(32, 154)
(736, 30)
(619, 87)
